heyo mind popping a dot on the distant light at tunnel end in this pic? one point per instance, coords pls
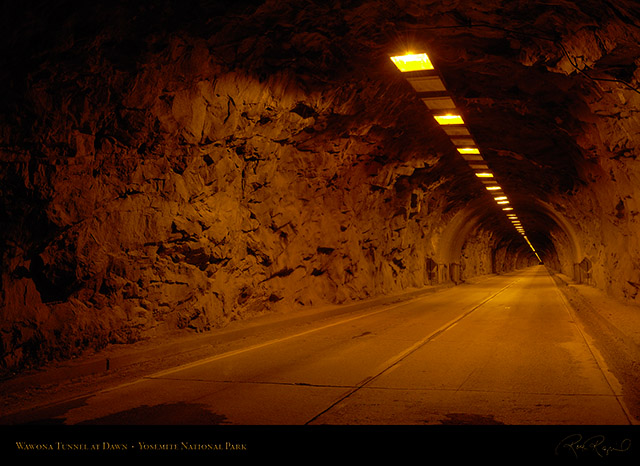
(412, 62)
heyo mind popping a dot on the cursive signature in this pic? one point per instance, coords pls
(576, 444)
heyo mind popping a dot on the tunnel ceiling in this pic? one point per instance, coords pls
(509, 65)
(180, 163)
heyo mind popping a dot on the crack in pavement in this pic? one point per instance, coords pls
(391, 363)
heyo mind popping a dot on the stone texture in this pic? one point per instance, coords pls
(179, 166)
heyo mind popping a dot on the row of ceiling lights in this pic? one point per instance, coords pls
(421, 74)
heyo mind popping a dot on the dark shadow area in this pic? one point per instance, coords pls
(164, 414)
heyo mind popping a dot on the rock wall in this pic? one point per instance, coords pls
(181, 166)
(603, 209)
(171, 190)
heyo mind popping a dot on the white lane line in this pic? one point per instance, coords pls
(247, 349)
(392, 362)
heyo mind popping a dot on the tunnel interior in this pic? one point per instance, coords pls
(183, 165)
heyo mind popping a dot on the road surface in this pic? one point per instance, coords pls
(504, 350)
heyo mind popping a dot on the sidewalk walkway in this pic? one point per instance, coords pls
(614, 326)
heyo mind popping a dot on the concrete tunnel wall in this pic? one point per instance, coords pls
(178, 167)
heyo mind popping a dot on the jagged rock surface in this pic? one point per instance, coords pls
(179, 167)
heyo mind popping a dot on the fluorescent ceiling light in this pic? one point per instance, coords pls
(503, 202)
(507, 208)
(468, 150)
(449, 119)
(501, 198)
(493, 188)
(412, 62)
(484, 175)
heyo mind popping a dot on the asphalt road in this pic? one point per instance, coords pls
(506, 350)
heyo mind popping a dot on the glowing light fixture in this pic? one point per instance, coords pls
(449, 119)
(468, 150)
(412, 62)
(434, 95)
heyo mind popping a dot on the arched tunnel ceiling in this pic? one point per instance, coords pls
(510, 66)
(187, 163)
(523, 93)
